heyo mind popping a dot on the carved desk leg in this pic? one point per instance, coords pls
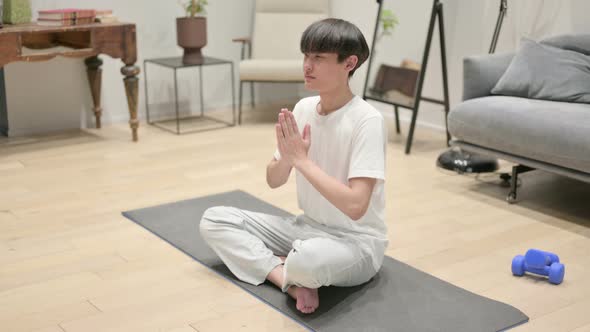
(94, 78)
(131, 88)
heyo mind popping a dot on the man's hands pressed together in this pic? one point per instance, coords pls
(351, 198)
(292, 146)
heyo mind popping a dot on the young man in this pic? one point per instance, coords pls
(336, 142)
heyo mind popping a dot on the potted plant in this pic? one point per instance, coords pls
(191, 31)
(15, 11)
(388, 20)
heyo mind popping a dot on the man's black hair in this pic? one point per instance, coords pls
(338, 36)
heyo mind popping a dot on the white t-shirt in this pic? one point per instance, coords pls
(347, 143)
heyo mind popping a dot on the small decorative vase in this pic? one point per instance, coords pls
(192, 36)
(17, 11)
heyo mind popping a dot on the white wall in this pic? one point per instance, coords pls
(54, 95)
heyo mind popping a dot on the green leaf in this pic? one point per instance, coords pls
(194, 7)
(388, 21)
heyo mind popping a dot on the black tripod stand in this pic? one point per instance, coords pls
(501, 14)
(437, 13)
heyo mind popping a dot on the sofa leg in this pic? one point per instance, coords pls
(511, 198)
(517, 169)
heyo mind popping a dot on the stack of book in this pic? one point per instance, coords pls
(72, 16)
(68, 16)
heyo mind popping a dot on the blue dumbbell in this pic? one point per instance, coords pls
(539, 262)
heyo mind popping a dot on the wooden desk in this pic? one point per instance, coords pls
(31, 42)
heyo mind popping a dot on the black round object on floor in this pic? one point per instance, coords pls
(461, 162)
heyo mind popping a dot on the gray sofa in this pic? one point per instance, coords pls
(534, 134)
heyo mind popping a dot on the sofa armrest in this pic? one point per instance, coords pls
(482, 72)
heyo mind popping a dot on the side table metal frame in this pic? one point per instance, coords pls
(202, 115)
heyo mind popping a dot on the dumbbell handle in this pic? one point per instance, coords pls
(542, 271)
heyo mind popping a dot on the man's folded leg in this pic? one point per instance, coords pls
(318, 262)
(248, 242)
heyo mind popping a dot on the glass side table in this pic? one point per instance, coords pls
(176, 63)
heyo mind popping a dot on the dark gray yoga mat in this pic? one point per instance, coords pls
(398, 298)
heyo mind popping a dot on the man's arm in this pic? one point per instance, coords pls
(277, 173)
(353, 199)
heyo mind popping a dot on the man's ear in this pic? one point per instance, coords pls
(351, 62)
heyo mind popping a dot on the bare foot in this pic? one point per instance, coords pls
(283, 258)
(307, 299)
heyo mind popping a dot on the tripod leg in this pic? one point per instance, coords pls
(503, 9)
(395, 110)
(420, 84)
(443, 55)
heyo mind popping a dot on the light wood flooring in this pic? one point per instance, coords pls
(69, 261)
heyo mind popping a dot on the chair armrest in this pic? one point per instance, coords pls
(245, 41)
(242, 40)
(482, 72)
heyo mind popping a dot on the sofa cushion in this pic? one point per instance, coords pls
(544, 72)
(573, 42)
(554, 132)
(482, 72)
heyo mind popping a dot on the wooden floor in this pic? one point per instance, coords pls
(70, 262)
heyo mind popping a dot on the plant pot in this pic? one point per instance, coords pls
(191, 34)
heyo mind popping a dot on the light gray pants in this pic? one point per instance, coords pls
(249, 243)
